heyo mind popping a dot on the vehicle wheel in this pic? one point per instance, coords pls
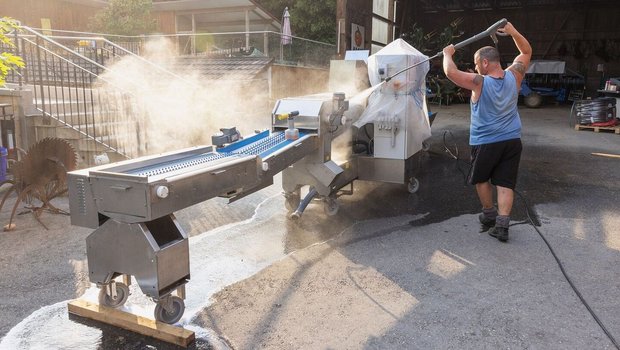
(533, 100)
(173, 314)
(292, 200)
(331, 206)
(122, 293)
(413, 185)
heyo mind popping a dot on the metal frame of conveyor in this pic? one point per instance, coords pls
(130, 205)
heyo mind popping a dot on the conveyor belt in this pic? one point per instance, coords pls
(262, 144)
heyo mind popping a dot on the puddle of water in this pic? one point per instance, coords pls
(218, 258)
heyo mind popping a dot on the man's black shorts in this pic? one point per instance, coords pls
(498, 162)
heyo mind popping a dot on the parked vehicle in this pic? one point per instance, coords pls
(545, 79)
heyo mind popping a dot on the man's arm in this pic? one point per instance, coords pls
(466, 80)
(522, 61)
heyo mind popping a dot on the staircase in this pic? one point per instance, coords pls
(71, 100)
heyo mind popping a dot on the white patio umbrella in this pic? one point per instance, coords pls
(286, 39)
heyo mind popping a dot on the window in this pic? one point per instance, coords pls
(382, 23)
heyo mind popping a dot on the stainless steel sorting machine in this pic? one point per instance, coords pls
(131, 204)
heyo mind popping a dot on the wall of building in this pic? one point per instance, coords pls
(353, 11)
(287, 81)
(61, 14)
(583, 35)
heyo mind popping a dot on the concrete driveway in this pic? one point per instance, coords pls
(390, 270)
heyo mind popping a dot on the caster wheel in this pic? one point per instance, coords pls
(292, 200)
(331, 206)
(173, 313)
(413, 185)
(426, 146)
(122, 293)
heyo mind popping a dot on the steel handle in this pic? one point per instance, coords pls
(491, 30)
(120, 187)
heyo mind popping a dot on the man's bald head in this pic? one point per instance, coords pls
(489, 53)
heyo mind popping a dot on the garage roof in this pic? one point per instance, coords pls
(222, 15)
(480, 5)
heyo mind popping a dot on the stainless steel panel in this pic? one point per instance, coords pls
(172, 265)
(133, 249)
(81, 201)
(285, 157)
(112, 249)
(132, 198)
(381, 169)
(325, 173)
(309, 111)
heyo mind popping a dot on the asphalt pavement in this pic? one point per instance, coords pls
(390, 270)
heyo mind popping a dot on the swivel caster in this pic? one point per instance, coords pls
(292, 200)
(426, 146)
(169, 309)
(331, 206)
(114, 294)
(413, 185)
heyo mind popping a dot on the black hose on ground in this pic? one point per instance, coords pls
(534, 222)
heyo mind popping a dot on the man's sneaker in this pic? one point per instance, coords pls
(500, 233)
(486, 221)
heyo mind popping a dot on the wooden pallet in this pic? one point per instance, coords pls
(134, 323)
(615, 129)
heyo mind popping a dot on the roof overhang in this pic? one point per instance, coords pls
(221, 15)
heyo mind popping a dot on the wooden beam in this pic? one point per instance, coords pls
(568, 15)
(133, 323)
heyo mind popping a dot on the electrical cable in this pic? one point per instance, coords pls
(533, 223)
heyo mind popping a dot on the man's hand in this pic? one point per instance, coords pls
(449, 50)
(507, 29)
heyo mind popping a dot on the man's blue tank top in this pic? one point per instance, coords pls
(494, 117)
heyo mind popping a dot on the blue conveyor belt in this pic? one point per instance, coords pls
(262, 144)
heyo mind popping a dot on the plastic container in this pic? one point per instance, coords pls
(3, 162)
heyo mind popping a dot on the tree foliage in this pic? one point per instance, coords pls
(435, 40)
(125, 17)
(310, 19)
(8, 61)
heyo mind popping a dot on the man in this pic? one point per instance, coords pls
(495, 131)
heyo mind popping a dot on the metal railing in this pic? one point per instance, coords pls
(65, 74)
(300, 51)
(68, 87)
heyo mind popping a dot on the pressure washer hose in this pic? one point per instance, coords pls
(304, 203)
(491, 31)
(534, 222)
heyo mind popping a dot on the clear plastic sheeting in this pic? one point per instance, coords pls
(402, 100)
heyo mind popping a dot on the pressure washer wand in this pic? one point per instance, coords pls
(489, 32)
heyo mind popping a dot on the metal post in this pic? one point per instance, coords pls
(17, 51)
(42, 91)
(247, 30)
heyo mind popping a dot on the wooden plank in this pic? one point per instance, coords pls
(130, 322)
(608, 155)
